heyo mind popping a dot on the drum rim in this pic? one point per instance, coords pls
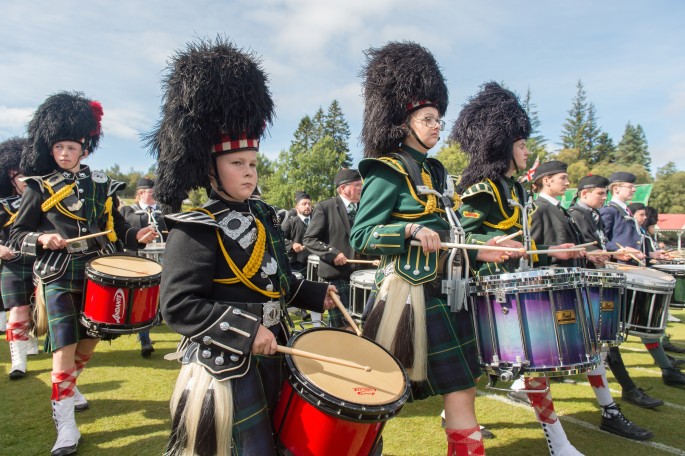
(352, 411)
(364, 272)
(546, 279)
(127, 282)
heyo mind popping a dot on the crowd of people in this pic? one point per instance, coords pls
(232, 268)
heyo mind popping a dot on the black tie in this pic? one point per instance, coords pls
(351, 211)
(595, 217)
(306, 221)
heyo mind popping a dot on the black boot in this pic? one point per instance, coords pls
(673, 377)
(637, 396)
(614, 422)
(669, 347)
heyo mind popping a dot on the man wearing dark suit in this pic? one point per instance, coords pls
(293, 230)
(328, 236)
(139, 215)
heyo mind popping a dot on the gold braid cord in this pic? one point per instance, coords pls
(431, 204)
(13, 217)
(253, 264)
(109, 224)
(508, 222)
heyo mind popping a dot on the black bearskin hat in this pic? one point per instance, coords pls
(10, 156)
(216, 101)
(64, 116)
(487, 127)
(399, 78)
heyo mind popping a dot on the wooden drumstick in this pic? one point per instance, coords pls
(631, 255)
(360, 261)
(544, 252)
(452, 245)
(146, 236)
(346, 314)
(587, 244)
(511, 236)
(87, 236)
(317, 357)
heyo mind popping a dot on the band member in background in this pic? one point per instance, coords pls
(405, 98)
(328, 236)
(294, 229)
(144, 212)
(552, 224)
(64, 200)
(492, 129)
(623, 232)
(17, 269)
(592, 193)
(226, 280)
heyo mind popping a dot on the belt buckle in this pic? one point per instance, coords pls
(271, 313)
(77, 246)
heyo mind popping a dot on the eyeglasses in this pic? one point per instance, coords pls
(432, 122)
(629, 187)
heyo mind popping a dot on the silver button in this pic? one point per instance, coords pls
(207, 340)
(206, 354)
(219, 360)
(416, 272)
(224, 326)
(83, 230)
(80, 190)
(83, 200)
(376, 235)
(264, 275)
(426, 268)
(269, 287)
(235, 358)
(406, 267)
(236, 312)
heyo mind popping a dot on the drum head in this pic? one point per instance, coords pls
(364, 277)
(647, 277)
(125, 266)
(384, 384)
(677, 270)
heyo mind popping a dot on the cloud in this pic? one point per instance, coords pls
(125, 123)
(13, 120)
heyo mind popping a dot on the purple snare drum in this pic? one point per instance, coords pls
(535, 322)
(606, 292)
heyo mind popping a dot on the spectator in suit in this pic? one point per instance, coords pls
(328, 236)
(294, 229)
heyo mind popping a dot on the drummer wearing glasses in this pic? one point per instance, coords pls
(65, 200)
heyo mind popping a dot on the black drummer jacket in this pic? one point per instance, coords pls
(552, 225)
(73, 205)
(200, 296)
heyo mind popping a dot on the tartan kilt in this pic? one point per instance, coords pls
(64, 303)
(17, 282)
(335, 316)
(452, 352)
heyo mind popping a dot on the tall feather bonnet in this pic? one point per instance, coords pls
(10, 157)
(64, 116)
(398, 79)
(487, 127)
(216, 101)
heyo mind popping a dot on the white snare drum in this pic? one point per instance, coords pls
(153, 251)
(313, 268)
(361, 284)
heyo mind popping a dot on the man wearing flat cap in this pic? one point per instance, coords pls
(328, 236)
(294, 229)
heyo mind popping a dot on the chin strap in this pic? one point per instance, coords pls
(416, 137)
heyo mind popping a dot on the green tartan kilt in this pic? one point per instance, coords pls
(452, 352)
(17, 282)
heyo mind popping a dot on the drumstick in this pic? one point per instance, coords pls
(346, 314)
(361, 261)
(543, 252)
(326, 359)
(587, 244)
(146, 236)
(87, 236)
(640, 262)
(511, 236)
(452, 245)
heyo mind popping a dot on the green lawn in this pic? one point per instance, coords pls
(129, 412)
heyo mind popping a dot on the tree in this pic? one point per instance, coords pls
(633, 147)
(453, 158)
(592, 133)
(667, 191)
(574, 135)
(265, 168)
(605, 149)
(535, 142)
(336, 127)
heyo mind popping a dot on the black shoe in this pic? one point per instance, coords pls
(637, 396)
(486, 433)
(147, 350)
(669, 347)
(675, 362)
(17, 374)
(518, 396)
(620, 425)
(673, 377)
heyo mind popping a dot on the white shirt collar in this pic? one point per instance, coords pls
(551, 199)
(346, 202)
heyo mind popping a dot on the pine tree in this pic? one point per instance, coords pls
(536, 141)
(592, 133)
(337, 128)
(633, 147)
(604, 150)
(574, 135)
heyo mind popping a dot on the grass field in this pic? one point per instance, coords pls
(129, 413)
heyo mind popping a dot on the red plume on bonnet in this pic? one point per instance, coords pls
(98, 112)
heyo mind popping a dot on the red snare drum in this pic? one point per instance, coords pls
(121, 295)
(333, 410)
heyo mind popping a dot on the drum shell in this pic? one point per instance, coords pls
(677, 270)
(362, 282)
(313, 268)
(309, 420)
(648, 297)
(119, 305)
(606, 292)
(537, 320)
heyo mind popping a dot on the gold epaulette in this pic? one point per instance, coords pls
(480, 187)
(391, 163)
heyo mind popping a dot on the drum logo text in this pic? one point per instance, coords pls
(364, 391)
(606, 306)
(118, 305)
(565, 317)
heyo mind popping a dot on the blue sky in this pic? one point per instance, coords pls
(630, 56)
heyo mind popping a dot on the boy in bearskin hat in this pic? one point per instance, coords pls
(226, 276)
(65, 199)
(405, 97)
(17, 270)
(552, 224)
(492, 129)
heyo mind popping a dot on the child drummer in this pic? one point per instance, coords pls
(226, 280)
(64, 200)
